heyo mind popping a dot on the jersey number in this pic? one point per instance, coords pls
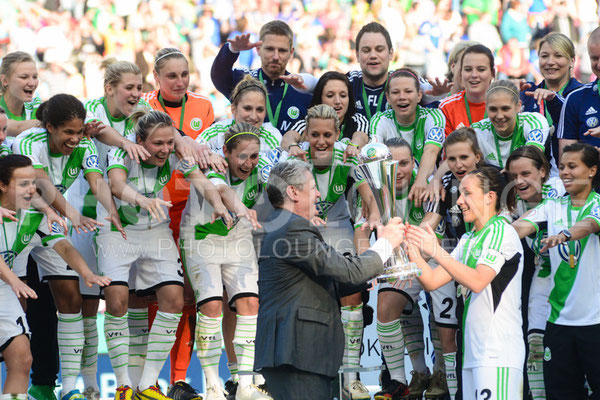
(445, 313)
(484, 394)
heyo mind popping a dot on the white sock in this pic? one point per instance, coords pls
(450, 364)
(137, 319)
(116, 333)
(391, 340)
(535, 365)
(412, 326)
(243, 345)
(259, 379)
(233, 370)
(352, 322)
(70, 347)
(209, 342)
(160, 342)
(19, 396)
(89, 359)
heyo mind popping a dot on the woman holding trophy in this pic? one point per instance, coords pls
(488, 264)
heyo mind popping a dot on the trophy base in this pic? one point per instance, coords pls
(399, 273)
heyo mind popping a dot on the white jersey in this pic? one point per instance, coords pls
(428, 128)
(29, 109)
(61, 169)
(4, 150)
(574, 296)
(214, 136)
(332, 182)
(530, 129)
(196, 217)
(149, 180)
(492, 322)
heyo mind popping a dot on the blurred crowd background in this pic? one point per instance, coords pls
(69, 38)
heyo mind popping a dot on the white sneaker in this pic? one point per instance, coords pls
(91, 394)
(356, 390)
(215, 393)
(251, 392)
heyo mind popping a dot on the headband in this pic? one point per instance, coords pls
(252, 85)
(241, 133)
(507, 88)
(398, 71)
(168, 54)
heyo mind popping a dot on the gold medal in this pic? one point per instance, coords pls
(572, 260)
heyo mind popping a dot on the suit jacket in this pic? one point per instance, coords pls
(299, 283)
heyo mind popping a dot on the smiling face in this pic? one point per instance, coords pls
(406, 164)
(374, 56)
(502, 111)
(22, 81)
(574, 174)
(66, 137)
(244, 158)
(18, 193)
(527, 178)
(251, 107)
(275, 52)
(476, 73)
(335, 94)
(404, 96)
(461, 159)
(173, 78)
(124, 97)
(321, 135)
(160, 145)
(472, 201)
(554, 65)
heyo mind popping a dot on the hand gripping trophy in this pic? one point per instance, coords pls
(379, 171)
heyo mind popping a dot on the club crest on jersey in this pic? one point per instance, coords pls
(595, 212)
(563, 250)
(547, 354)
(251, 195)
(196, 124)
(591, 122)
(26, 238)
(419, 144)
(436, 134)
(73, 171)
(293, 112)
(163, 179)
(338, 189)
(92, 162)
(536, 136)
(417, 215)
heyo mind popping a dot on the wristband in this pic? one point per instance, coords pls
(352, 144)
(292, 145)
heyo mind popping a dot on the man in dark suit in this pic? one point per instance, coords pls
(299, 337)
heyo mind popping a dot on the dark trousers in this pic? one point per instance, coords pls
(288, 383)
(42, 320)
(571, 355)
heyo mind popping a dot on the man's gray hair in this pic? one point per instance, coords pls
(284, 174)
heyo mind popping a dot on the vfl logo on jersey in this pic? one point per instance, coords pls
(163, 179)
(293, 112)
(9, 257)
(591, 122)
(436, 134)
(73, 171)
(338, 189)
(536, 136)
(563, 250)
(26, 238)
(196, 124)
(92, 162)
(251, 195)
(419, 144)
(417, 215)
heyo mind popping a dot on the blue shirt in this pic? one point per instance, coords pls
(553, 107)
(580, 113)
(293, 105)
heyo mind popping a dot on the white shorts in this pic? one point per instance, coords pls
(339, 235)
(12, 318)
(443, 302)
(492, 383)
(50, 264)
(85, 245)
(153, 251)
(221, 261)
(539, 307)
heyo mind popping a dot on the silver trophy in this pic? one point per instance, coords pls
(379, 171)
